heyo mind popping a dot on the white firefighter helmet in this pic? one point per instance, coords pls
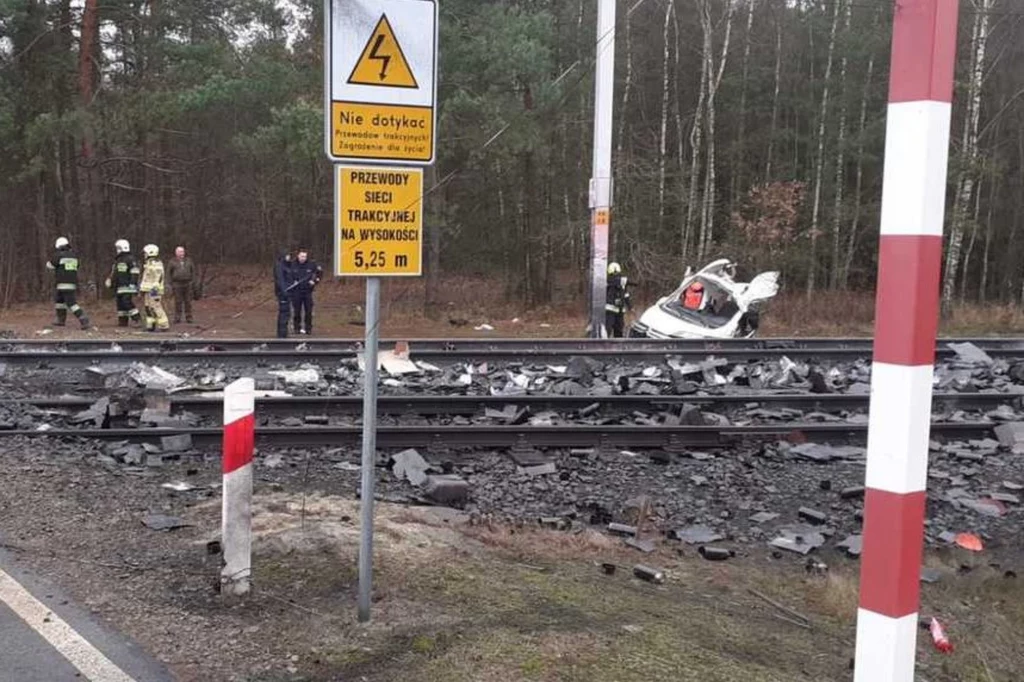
(62, 243)
(151, 250)
(614, 269)
(122, 246)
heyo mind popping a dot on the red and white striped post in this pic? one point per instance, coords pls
(906, 322)
(236, 517)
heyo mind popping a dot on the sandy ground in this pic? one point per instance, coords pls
(454, 599)
(250, 311)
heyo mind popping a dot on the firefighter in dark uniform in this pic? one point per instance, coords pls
(124, 280)
(618, 302)
(306, 274)
(65, 266)
(282, 282)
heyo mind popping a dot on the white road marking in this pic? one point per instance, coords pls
(80, 653)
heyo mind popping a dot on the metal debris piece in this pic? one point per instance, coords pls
(697, 535)
(179, 486)
(716, 553)
(179, 443)
(970, 542)
(540, 470)
(651, 575)
(621, 529)
(971, 354)
(985, 505)
(163, 522)
(307, 375)
(446, 489)
(394, 364)
(812, 515)
(799, 539)
(853, 544)
(646, 546)
(1011, 435)
(347, 466)
(153, 377)
(852, 493)
(409, 465)
(763, 517)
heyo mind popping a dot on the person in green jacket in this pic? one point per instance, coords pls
(181, 271)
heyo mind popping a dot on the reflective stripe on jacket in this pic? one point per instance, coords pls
(153, 277)
(65, 266)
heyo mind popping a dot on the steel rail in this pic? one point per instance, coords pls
(443, 438)
(269, 358)
(465, 405)
(473, 344)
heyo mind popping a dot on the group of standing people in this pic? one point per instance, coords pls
(295, 278)
(128, 279)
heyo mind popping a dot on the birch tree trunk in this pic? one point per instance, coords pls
(696, 142)
(968, 153)
(663, 139)
(851, 240)
(819, 160)
(983, 283)
(775, 100)
(707, 227)
(837, 212)
(970, 244)
(739, 162)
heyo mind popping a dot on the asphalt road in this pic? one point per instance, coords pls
(46, 638)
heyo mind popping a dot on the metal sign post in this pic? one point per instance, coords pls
(368, 464)
(380, 96)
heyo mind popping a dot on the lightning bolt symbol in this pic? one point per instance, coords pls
(384, 59)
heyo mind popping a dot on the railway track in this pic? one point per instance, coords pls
(253, 352)
(449, 438)
(434, 405)
(149, 343)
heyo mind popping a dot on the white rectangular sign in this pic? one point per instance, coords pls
(380, 81)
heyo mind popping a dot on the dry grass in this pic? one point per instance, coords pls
(240, 302)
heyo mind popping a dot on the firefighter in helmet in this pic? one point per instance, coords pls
(618, 301)
(153, 290)
(65, 268)
(124, 280)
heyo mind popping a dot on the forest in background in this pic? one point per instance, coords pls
(749, 128)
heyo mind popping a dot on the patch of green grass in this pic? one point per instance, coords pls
(422, 644)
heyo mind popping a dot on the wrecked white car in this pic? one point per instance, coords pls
(709, 304)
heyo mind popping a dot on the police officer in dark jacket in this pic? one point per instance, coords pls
(306, 274)
(282, 289)
(65, 267)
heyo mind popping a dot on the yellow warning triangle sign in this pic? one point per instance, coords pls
(382, 61)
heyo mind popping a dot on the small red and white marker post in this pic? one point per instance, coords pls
(236, 518)
(906, 322)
